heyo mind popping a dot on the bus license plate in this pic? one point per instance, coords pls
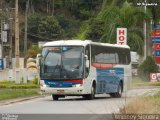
(60, 91)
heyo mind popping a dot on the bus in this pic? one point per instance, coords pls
(84, 68)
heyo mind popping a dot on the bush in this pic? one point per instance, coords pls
(34, 81)
(6, 81)
(147, 67)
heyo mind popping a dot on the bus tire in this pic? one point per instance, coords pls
(118, 94)
(92, 95)
(119, 91)
(55, 97)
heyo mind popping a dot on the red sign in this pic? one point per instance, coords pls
(157, 60)
(156, 47)
(121, 36)
(155, 33)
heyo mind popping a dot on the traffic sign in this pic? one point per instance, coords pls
(156, 46)
(157, 60)
(156, 53)
(155, 39)
(155, 33)
(156, 27)
(1, 64)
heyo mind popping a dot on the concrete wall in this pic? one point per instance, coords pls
(17, 74)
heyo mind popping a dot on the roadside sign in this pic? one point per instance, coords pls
(1, 64)
(154, 77)
(157, 60)
(0, 51)
(4, 36)
(156, 47)
(156, 53)
(121, 36)
(155, 33)
(155, 39)
(157, 27)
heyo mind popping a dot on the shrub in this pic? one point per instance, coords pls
(147, 67)
(6, 81)
(34, 81)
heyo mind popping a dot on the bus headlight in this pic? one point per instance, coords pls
(77, 85)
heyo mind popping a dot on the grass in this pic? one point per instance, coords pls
(6, 94)
(138, 82)
(147, 104)
(143, 105)
(11, 90)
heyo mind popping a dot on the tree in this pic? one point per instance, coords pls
(33, 51)
(44, 28)
(129, 17)
(147, 67)
(115, 17)
(50, 28)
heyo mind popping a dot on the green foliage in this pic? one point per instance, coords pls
(70, 26)
(50, 28)
(103, 27)
(147, 67)
(17, 93)
(96, 30)
(44, 28)
(19, 86)
(33, 51)
(12, 85)
(7, 81)
(34, 81)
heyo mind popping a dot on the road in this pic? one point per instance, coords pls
(103, 104)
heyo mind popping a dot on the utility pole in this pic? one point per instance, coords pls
(145, 27)
(26, 27)
(16, 34)
(10, 40)
(17, 70)
(1, 45)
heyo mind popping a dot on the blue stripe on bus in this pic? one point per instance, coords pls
(59, 84)
(108, 79)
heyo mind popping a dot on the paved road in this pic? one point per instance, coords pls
(103, 104)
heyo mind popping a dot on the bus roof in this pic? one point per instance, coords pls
(81, 43)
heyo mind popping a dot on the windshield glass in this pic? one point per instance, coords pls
(62, 62)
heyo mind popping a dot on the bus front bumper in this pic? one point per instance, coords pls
(62, 91)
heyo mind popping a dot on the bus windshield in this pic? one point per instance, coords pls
(62, 62)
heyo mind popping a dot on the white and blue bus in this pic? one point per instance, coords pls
(84, 68)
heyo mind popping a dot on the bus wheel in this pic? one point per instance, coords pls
(55, 97)
(92, 95)
(119, 91)
(118, 94)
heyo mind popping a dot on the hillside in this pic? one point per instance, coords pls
(82, 19)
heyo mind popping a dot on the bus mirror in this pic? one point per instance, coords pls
(87, 63)
(86, 57)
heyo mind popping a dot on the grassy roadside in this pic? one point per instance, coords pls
(147, 104)
(143, 105)
(11, 90)
(137, 82)
(6, 94)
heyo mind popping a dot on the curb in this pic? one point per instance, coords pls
(16, 100)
